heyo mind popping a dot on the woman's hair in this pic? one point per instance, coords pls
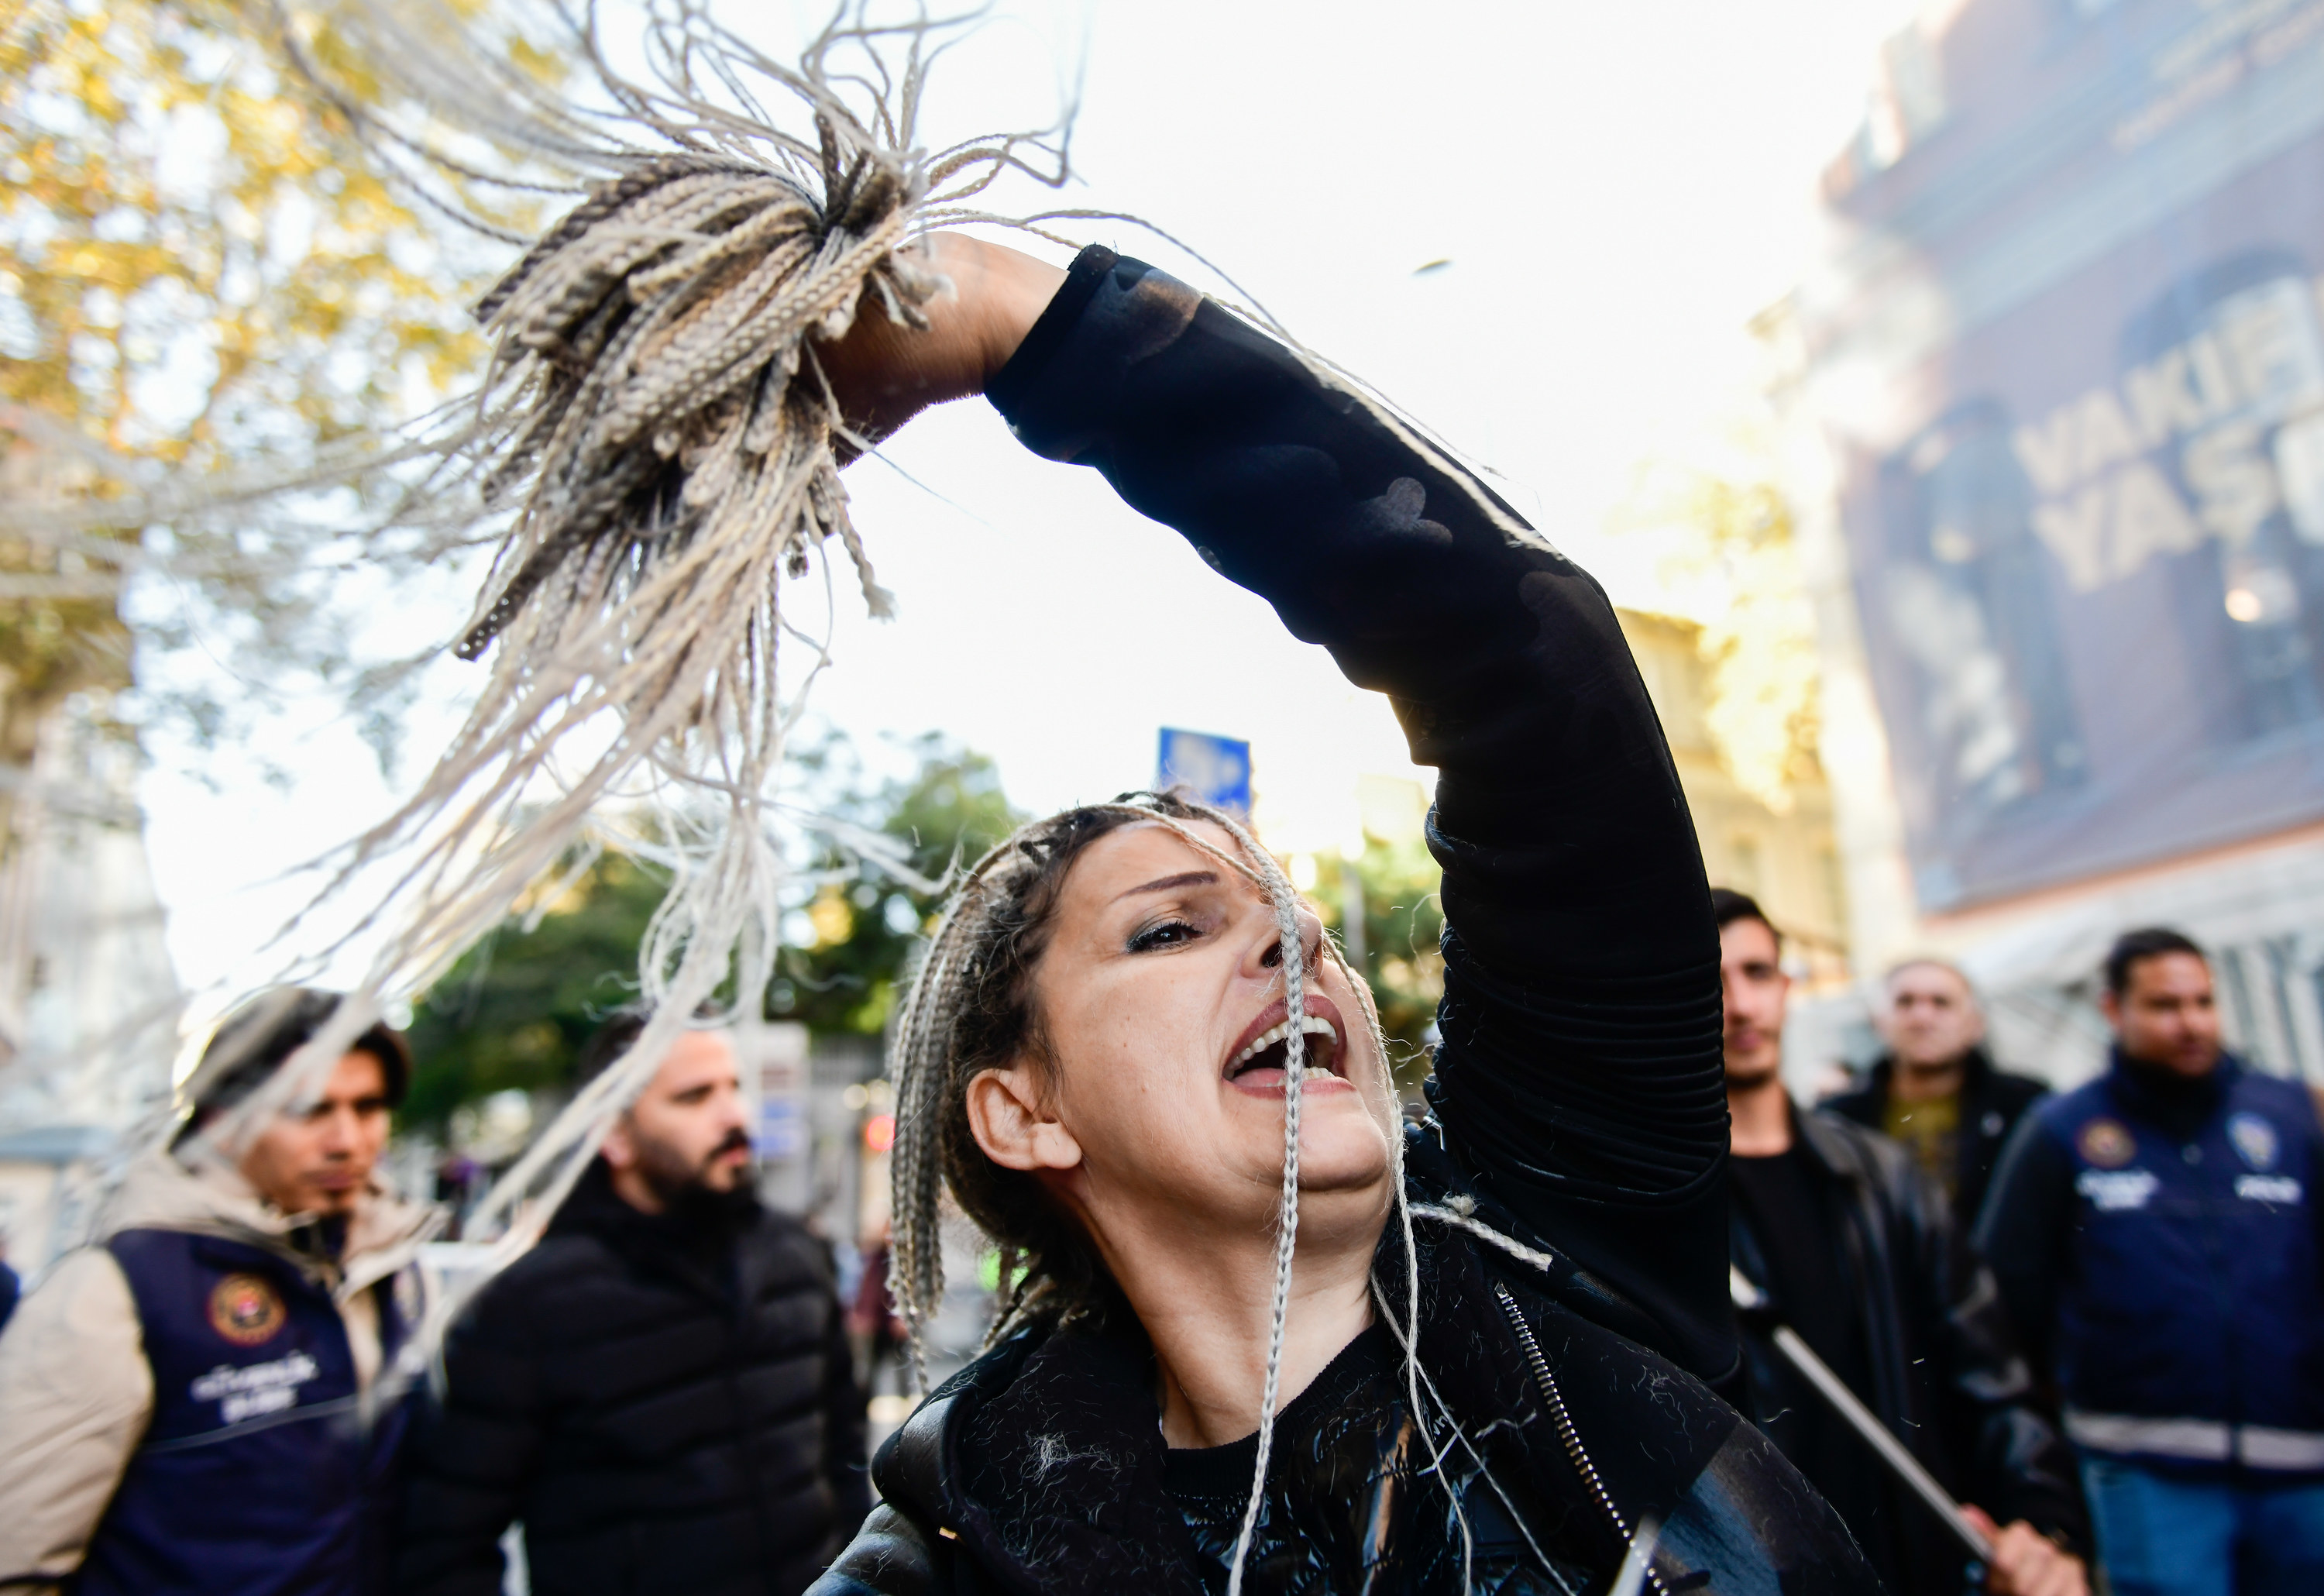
(972, 1008)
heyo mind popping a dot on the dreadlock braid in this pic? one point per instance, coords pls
(970, 1007)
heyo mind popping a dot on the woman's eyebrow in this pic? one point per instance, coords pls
(1193, 878)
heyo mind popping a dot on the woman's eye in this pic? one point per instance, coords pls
(1168, 934)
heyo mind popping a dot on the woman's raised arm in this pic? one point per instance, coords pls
(1579, 1075)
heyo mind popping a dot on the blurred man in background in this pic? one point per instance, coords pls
(877, 1331)
(1936, 1090)
(2154, 1234)
(192, 1405)
(1856, 1249)
(662, 1391)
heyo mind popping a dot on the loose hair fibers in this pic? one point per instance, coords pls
(657, 453)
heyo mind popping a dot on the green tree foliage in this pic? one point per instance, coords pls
(201, 269)
(1404, 920)
(1730, 562)
(1766, 709)
(515, 1010)
(845, 947)
(198, 257)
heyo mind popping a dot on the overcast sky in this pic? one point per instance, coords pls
(1618, 188)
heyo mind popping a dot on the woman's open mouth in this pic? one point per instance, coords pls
(1263, 1054)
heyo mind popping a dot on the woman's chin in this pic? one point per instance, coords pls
(1337, 1199)
(1347, 1156)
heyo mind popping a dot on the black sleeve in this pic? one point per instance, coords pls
(1579, 1074)
(2021, 1233)
(472, 1453)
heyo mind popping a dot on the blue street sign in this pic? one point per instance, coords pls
(782, 1129)
(1215, 770)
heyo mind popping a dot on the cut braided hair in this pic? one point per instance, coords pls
(657, 448)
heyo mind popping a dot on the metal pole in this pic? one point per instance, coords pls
(1862, 1419)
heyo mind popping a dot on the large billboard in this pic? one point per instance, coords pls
(2069, 349)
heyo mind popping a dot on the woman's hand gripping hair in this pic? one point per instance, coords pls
(883, 373)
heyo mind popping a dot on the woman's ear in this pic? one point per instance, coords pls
(1010, 1117)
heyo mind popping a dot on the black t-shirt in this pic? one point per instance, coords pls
(1352, 1503)
(1199, 1476)
(1796, 1224)
(1794, 1217)
(1299, 1541)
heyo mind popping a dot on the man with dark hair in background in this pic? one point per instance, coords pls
(1936, 1090)
(660, 1392)
(1856, 1249)
(2154, 1234)
(193, 1403)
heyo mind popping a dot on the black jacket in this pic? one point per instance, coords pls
(1040, 1468)
(666, 1405)
(1945, 1369)
(1577, 1095)
(1992, 1102)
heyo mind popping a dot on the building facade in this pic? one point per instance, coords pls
(2052, 397)
(1786, 857)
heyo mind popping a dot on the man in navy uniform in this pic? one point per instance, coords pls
(2154, 1235)
(195, 1404)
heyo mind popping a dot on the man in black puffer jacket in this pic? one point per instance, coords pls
(660, 1392)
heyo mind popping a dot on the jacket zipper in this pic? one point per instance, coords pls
(1563, 1419)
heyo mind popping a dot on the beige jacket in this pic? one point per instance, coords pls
(76, 1390)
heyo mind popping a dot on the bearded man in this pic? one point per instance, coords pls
(660, 1392)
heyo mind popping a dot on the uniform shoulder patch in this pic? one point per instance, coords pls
(246, 1309)
(2254, 1140)
(2106, 1143)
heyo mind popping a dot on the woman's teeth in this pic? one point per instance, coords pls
(1314, 1024)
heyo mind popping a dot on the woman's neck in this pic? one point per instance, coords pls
(1207, 1309)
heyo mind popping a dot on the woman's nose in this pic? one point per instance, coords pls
(1311, 943)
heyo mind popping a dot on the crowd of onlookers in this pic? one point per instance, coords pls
(228, 1394)
(2096, 1318)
